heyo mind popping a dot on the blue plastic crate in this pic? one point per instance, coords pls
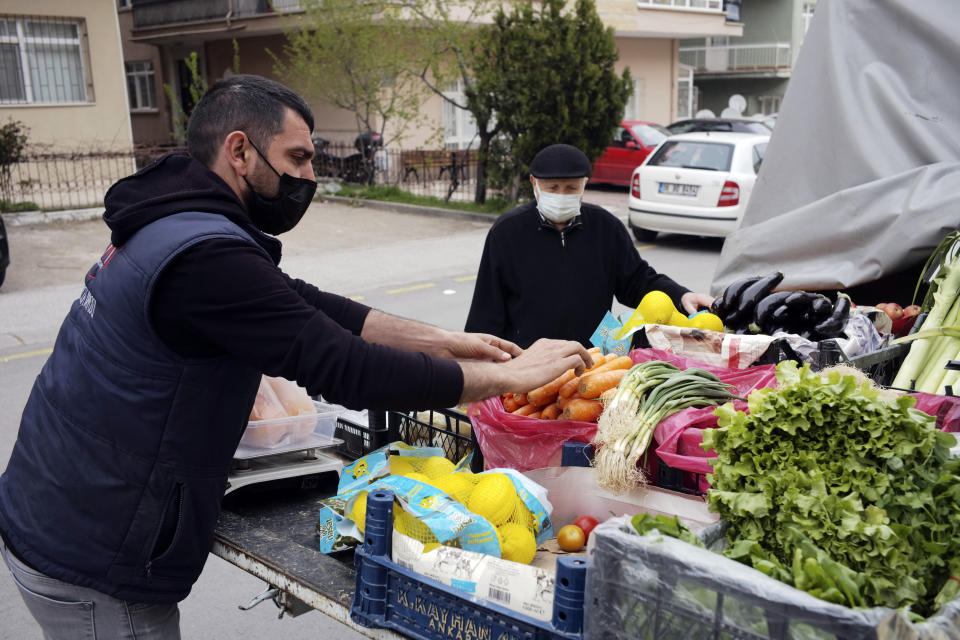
(388, 595)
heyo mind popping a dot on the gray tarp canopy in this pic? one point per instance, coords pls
(862, 175)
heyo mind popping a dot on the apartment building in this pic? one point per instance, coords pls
(159, 35)
(756, 65)
(61, 74)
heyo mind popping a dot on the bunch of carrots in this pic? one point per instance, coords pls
(572, 397)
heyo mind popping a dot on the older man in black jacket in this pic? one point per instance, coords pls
(551, 268)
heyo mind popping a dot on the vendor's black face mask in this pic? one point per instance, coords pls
(280, 213)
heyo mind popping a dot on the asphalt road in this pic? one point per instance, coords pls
(410, 265)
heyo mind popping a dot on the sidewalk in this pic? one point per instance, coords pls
(613, 201)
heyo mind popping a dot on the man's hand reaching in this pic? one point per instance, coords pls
(536, 366)
(479, 346)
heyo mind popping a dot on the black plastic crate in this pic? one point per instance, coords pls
(448, 429)
(359, 440)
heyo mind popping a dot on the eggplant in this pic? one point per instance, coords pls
(800, 299)
(821, 307)
(754, 294)
(768, 304)
(719, 307)
(731, 296)
(833, 325)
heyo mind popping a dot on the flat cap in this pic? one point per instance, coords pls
(560, 161)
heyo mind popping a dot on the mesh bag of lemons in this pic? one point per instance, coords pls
(498, 512)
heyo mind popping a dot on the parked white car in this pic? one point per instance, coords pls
(695, 183)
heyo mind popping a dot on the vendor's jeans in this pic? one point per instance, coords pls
(66, 611)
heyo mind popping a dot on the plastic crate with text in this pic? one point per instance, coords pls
(391, 596)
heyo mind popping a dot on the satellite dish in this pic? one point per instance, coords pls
(737, 102)
(730, 112)
(705, 113)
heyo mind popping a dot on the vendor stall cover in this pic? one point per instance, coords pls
(862, 175)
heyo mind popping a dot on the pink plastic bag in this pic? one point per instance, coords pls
(679, 436)
(945, 408)
(519, 442)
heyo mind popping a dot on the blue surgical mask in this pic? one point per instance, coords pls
(557, 207)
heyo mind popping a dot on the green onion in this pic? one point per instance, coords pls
(647, 394)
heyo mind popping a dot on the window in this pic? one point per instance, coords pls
(140, 86)
(637, 102)
(42, 60)
(710, 156)
(650, 134)
(123, 4)
(459, 127)
(758, 153)
(769, 105)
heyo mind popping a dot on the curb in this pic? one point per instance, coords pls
(21, 218)
(399, 207)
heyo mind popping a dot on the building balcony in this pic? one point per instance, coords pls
(671, 19)
(161, 13)
(768, 59)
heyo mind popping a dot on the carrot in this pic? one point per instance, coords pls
(525, 410)
(594, 351)
(509, 404)
(535, 414)
(570, 387)
(583, 410)
(520, 399)
(593, 385)
(542, 396)
(550, 412)
(618, 362)
(607, 395)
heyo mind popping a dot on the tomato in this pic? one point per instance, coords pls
(571, 538)
(586, 524)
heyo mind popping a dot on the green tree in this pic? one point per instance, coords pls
(355, 55)
(13, 142)
(449, 41)
(549, 77)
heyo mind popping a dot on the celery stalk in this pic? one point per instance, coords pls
(944, 300)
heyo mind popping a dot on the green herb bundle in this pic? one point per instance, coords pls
(840, 490)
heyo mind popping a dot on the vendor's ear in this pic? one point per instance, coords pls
(238, 152)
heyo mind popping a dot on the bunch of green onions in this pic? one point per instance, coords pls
(938, 341)
(647, 394)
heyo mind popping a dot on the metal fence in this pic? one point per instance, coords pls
(71, 180)
(80, 179)
(741, 57)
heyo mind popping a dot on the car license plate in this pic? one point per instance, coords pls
(674, 189)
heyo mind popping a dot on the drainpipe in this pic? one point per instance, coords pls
(229, 12)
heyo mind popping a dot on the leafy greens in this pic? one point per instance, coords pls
(841, 491)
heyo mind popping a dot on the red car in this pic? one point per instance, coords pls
(632, 142)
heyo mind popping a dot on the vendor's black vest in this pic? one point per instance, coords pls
(117, 474)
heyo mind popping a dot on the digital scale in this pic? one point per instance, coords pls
(310, 456)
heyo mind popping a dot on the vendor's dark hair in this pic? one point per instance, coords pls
(248, 103)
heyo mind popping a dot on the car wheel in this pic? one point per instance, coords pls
(3, 274)
(644, 235)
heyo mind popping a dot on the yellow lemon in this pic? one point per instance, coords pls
(436, 466)
(656, 307)
(419, 477)
(707, 320)
(359, 511)
(679, 320)
(493, 498)
(517, 543)
(455, 486)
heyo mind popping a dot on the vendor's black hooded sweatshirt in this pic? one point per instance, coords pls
(124, 447)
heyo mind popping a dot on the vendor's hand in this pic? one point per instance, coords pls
(479, 346)
(544, 361)
(692, 301)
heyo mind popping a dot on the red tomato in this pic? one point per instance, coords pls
(586, 523)
(571, 538)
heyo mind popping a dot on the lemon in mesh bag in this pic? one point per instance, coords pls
(494, 498)
(455, 485)
(516, 543)
(435, 466)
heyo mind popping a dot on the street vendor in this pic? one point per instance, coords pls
(111, 495)
(550, 268)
